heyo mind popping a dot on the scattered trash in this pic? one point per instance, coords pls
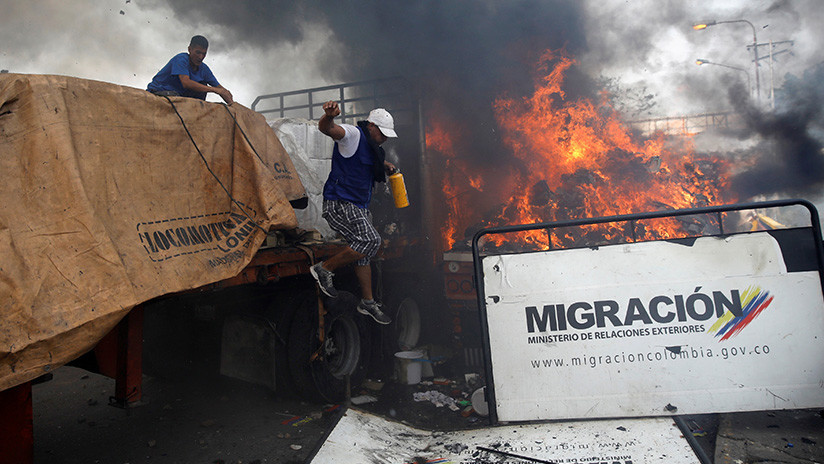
(295, 447)
(621, 428)
(697, 430)
(472, 380)
(437, 398)
(363, 399)
(152, 443)
(331, 408)
(456, 448)
(296, 421)
(670, 408)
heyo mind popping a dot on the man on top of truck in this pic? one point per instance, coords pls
(187, 75)
(358, 161)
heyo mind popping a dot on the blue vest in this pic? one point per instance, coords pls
(351, 178)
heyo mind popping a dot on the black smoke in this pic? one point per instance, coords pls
(788, 160)
(462, 54)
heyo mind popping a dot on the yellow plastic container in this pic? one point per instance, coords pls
(398, 187)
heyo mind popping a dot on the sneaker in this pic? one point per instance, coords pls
(373, 309)
(324, 279)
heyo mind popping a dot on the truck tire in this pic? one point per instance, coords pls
(406, 325)
(281, 313)
(346, 348)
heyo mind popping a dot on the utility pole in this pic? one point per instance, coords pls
(704, 25)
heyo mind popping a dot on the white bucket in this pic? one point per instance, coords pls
(479, 402)
(409, 367)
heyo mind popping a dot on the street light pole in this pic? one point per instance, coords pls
(707, 24)
(701, 61)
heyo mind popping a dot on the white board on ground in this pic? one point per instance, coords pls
(360, 437)
(718, 325)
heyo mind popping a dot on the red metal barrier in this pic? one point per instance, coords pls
(120, 356)
(16, 425)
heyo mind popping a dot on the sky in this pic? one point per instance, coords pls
(260, 47)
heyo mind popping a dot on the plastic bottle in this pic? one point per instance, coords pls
(398, 188)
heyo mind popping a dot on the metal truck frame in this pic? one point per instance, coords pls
(322, 346)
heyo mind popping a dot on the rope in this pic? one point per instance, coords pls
(206, 163)
(244, 135)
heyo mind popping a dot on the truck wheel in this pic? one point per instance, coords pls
(407, 324)
(280, 314)
(344, 350)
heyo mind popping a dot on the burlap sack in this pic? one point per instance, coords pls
(107, 203)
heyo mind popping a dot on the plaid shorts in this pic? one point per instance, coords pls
(355, 226)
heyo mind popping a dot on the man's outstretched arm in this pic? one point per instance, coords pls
(188, 83)
(327, 125)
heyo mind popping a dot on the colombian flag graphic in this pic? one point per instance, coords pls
(754, 300)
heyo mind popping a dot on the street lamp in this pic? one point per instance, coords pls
(704, 25)
(701, 61)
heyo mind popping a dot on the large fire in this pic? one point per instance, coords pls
(570, 160)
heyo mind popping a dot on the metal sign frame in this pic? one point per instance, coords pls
(814, 229)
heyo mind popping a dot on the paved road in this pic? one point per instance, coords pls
(214, 420)
(210, 419)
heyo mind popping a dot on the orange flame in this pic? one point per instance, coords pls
(574, 159)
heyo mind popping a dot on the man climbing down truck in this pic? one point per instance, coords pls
(358, 161)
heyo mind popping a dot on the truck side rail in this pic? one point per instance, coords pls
(356, 99)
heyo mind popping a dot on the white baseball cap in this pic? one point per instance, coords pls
(381, 118)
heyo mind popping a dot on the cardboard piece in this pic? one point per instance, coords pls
(363, 437)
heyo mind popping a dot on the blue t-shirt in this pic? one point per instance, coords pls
(167, 78)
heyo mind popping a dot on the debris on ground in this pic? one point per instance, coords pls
(438, 402)
(437, 398)
(363, 399)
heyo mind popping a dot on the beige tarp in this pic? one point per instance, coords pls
(106, 203)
